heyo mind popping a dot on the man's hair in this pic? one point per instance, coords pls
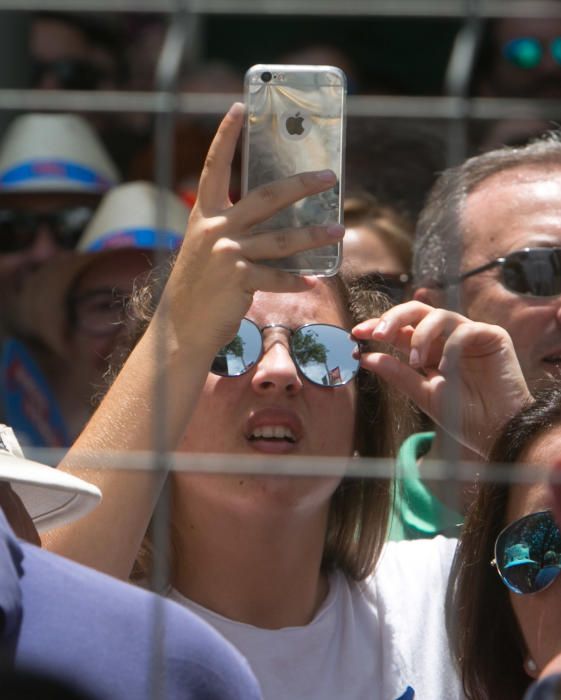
(440, 232)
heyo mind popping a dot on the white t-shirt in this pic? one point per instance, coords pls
(381, 639)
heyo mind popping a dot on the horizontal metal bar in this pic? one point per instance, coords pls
(387, 106)
(335, 8)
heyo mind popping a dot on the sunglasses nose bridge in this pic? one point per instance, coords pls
(276, 368)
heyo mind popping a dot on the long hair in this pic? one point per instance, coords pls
(360, 507)
(486, 641)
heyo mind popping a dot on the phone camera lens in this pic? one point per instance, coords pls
(266, 77)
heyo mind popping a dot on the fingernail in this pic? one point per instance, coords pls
(336, 230)
(443, 365)
(414, 358)
(326, 176)
(236, 109)
(381, 327)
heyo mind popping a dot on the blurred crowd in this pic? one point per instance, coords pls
(462, 263)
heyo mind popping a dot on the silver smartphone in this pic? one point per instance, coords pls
(295, 122)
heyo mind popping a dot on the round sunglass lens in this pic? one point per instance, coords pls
(525, 52)
(241, 353)
(555, 48)
(324, 354)
(528, 553)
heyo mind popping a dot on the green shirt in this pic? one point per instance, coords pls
(416, 512)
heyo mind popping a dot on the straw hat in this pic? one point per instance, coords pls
(54, 153)
(51, 497)
(127, 218)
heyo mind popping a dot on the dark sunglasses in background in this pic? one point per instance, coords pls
(534, 272)
(528, 553)
(70, 74)
(527, 52)
(325, 355)
(393, 285)
(18, 228)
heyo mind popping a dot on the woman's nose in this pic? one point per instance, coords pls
(276, 371)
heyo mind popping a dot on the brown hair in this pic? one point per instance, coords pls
(360, 507)
(486, 640)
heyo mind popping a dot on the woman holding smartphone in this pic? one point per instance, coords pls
(286, 567)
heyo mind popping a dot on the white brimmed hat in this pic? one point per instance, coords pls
(51, 497)
(127, 217)
(54, 153)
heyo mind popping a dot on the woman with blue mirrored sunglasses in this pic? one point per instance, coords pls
(509, 612)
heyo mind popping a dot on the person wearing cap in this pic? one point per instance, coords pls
(53, 172)
(71, 312)
(66, 626)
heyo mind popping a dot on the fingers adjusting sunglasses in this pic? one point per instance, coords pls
(325, 355)
(533, 272)
(528, 553)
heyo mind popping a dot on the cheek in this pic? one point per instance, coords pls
(539, 617)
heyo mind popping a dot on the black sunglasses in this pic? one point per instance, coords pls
(326, 355)
(534, 272)
(19, 228)
(528, 553)
(70, 74)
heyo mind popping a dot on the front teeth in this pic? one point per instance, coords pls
(278, 432)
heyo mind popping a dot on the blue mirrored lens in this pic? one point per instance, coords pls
(555, 48)
(528, 553)
(524, 52)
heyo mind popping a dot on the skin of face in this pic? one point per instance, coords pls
(509, 211)
(273, 394)
(364, 251)
(539, 614)
(117, 271)
(14, 266)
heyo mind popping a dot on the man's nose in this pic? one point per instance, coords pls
(45, 245)
(276, 371)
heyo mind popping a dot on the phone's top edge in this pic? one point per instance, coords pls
(297, 71)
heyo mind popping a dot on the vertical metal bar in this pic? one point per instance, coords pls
(457, 85)
(167, 75)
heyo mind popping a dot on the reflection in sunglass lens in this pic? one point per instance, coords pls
(524, 52)
(528, 553)
(555, 48)
(536, 272)
(324, 354)
(241, 353)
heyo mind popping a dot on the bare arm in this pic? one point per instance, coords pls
(210, 289)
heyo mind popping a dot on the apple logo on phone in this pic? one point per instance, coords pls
(295, 124)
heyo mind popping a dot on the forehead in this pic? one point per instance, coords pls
(534, 494)
(318, 305)
(514, 209)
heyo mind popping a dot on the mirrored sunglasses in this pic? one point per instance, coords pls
(325, 355)
(534, 272)
(528, 553)
(527, 52)
(19, 228)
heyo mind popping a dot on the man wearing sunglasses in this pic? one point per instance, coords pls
(53, 171)
(489, 242)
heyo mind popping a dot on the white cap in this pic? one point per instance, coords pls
(50, 496)
(54, 153)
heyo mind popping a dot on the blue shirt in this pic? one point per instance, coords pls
(107, 638)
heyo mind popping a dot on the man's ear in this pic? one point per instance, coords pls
(429, 295)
